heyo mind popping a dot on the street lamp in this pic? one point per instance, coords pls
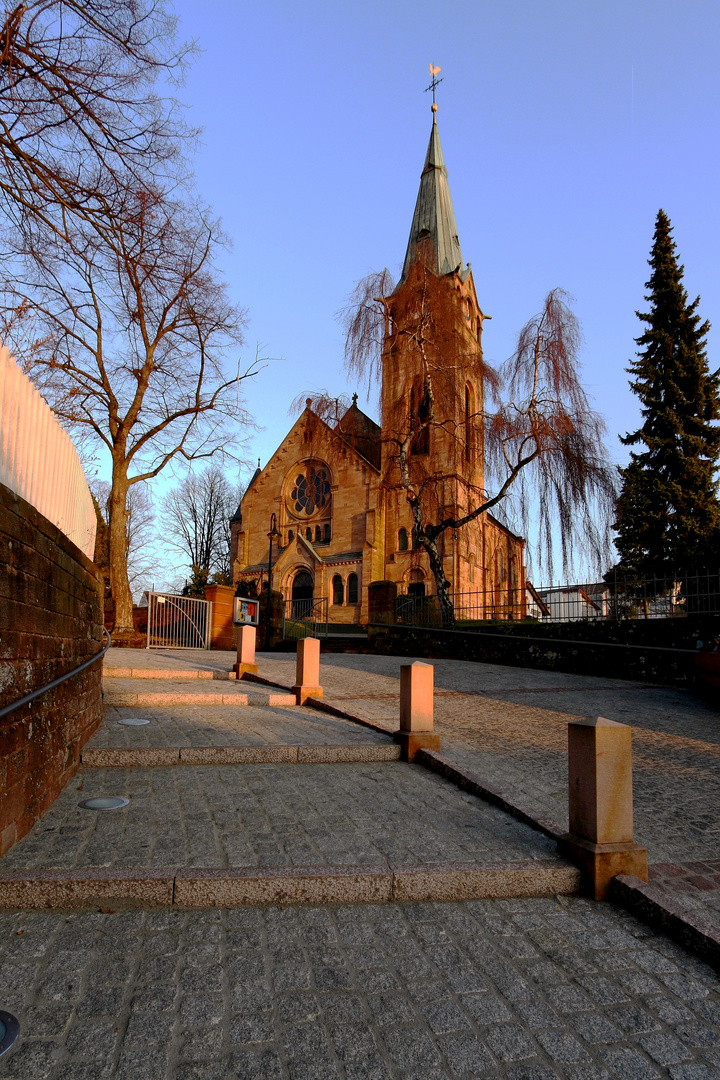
(271, 536)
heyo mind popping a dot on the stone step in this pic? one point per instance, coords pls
(212, 674)
(208, 888)
(144, 757)
(123, 691)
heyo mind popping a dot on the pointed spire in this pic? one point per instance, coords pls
(433, 234)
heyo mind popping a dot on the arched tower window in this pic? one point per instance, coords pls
(419, 406)
(318, 534)
(327, 533)
(469, 423)
(338, 590)
(402, 540)
(352, 589)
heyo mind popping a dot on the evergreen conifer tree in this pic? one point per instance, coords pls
(668, 511)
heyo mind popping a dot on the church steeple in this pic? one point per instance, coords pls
(433, 234)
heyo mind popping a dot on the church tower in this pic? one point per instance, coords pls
(432, 374)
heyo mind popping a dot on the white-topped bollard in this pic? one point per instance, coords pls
(307, 670)
(245, 652)
(600, 804)
(417, 688)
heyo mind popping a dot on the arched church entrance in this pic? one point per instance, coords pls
(302, 593)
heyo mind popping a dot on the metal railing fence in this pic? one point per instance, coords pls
(178, 622)
(622, 596)
(305, 618)
(38, 460)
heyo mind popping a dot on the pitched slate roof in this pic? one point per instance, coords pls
(433, 234)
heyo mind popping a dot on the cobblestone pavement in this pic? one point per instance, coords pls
(514, 990)
(227, 725)
(272, 815)
(510, 726)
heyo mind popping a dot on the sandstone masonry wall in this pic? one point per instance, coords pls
(50, 621)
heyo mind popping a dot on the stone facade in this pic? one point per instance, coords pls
(342, 515)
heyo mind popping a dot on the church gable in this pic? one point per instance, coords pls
(322, 491)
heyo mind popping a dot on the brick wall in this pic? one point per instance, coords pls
(50, 621)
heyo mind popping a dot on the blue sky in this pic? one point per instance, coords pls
(565, 126)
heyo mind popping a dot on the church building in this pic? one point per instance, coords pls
(334, 493)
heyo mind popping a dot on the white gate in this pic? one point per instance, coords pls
(178, 622)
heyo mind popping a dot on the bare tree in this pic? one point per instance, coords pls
(540, 438)
(133, 327)
(196, 521)
(79, 114)
(141, 552)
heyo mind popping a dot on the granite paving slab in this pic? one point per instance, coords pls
(530, 989)
(130, 691)
(183, 660)
(227, 725)
(271, 815)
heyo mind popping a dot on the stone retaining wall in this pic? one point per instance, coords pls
(50, 621)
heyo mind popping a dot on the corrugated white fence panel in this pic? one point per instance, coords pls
(38, 460)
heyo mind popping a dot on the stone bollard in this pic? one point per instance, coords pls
(245, 652)
(600, 840)
(307, 671)
(416, 710)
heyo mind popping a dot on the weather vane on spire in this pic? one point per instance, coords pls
(434, 81)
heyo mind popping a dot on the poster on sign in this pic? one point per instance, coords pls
(245, 612)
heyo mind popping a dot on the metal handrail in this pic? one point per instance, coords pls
(56, 682)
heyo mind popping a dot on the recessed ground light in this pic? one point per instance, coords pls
(104, 802)
(9, 1030)
(133, 721)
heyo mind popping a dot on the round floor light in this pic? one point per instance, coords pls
(132, 721)
(104, 802)
(9, 1030)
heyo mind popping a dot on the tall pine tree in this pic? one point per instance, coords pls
(668, 512)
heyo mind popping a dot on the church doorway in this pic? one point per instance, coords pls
(416, 586)
(302, 594)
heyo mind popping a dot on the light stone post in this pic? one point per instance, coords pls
(600, 840)
(245, 652)
(307, 670)
(416, 710)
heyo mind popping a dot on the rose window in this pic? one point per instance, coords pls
(311, 491)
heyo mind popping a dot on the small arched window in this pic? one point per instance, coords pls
(402, 540)
(327, 533)
(338, 590)
(291, 536)
(415, 540)
(308, 533)
(318, 534)
(352, 589)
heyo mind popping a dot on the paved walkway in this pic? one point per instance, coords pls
(522, 989)
(510, 726)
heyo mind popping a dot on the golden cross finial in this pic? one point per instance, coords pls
(434, 81)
